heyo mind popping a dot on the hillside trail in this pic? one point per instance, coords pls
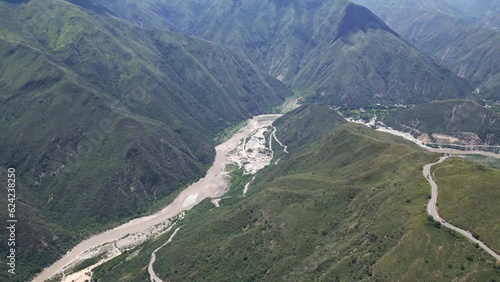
(277, 140)
(152, 274)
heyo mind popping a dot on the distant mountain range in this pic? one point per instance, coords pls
(339, 52)
(482, 12)
(449, 36)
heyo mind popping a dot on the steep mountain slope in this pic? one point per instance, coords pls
(482, 12)
(440, 31)
(465, 120)
(104, 120)
(82, 160)
(346, 204)
(144, 63)
(305, 124)
(339, 51)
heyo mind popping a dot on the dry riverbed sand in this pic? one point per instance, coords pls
(252, 154)
(213, 185)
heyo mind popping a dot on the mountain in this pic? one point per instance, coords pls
(339, 52)
(483, 12)
(470, 122)
(347, 204)
(305, 124)
(444, 33)
(104, 121)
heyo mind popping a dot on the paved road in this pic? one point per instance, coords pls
(409, 137)
(459, 152)
(434, 212)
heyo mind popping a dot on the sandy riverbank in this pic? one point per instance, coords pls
(213, 185)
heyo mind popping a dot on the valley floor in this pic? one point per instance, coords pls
(137, 231)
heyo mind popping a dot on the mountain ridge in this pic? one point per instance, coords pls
(299, 43)
(451, 40)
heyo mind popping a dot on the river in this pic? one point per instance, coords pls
(213, 185)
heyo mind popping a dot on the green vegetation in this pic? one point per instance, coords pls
(484, 160)
(468, 198)
(446, 33)
(105, 115)
(453, 117)
(367, 113)
(494, 106)
(433, 254)
(290, 104)
(339, 52)
(224, 135)
(237, 182)
(106, 267)
(86, 263)
(104, 121)
(346, 204)
(303, 125)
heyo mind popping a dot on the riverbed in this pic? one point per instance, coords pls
(213, 185)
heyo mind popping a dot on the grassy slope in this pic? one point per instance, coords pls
(166, 76)
(483, 160)
(75, 150)
(107, 120)
(348, 206)
(309, 122)
(440, 31)
(376, 67)
(464, 189)
(452, 117)
(339, 51)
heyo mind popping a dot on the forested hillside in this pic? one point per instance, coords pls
(104, 120)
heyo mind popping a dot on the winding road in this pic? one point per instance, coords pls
(434, 212)
(432, 205)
